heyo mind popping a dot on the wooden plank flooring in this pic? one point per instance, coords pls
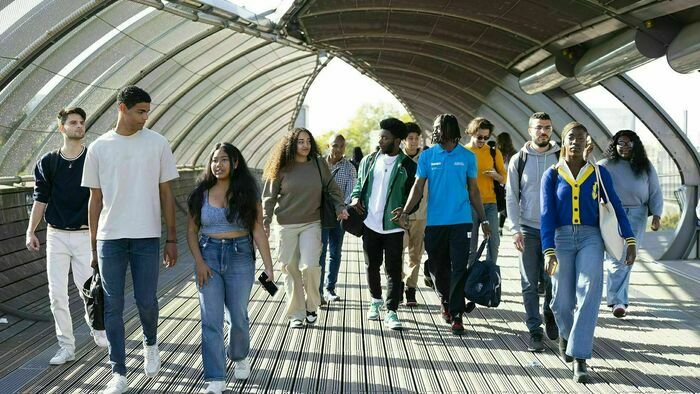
(656, 348)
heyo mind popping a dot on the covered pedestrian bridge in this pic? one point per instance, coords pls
(219, 72)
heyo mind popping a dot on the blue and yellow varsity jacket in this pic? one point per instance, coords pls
(566, 200)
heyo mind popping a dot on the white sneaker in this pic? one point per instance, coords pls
(100, 337)
(116, 385)
(241, 369)
(330, 296)
(214, 387)
(151, 362)
(62, 356)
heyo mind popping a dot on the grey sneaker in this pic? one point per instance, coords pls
(241, 369)
(151, 362)
(373, 313)
(214, 387)
(392, 320)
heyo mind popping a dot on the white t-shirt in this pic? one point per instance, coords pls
(129, 170)
(377, 200)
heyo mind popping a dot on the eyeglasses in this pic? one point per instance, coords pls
(482, 138)
(623, 144)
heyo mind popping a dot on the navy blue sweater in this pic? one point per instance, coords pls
(567, 201)
(67, 201)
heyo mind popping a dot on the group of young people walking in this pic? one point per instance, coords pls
(108, 198)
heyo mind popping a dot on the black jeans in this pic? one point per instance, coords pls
(391, 246)
(448, 254)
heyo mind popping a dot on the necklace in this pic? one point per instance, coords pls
(70, 160)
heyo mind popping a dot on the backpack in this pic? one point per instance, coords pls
(483, 284)
(499, 189)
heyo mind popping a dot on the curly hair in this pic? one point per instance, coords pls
(242, 194)
(283, 155)
(638, 161)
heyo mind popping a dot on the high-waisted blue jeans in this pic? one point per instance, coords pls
(233, 270)
(618, 271)
(577, 286)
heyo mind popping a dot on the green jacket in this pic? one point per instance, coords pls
(403, 175)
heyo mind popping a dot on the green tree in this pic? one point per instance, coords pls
(365, 120)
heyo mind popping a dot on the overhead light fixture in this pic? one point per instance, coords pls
(193, 3)
(323, 56)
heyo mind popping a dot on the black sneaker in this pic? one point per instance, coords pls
(563, 343)
(540, 288)
(580, 371)
(411, 297)
(469, 307)
(535, 343)
(311, 317)
(429, 282)
(550, 326)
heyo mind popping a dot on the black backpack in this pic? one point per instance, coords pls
(483, 284)
(499, 189)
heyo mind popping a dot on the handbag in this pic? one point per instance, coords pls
(355, 223)
(609, 227)
(328, 217)
(94, 300)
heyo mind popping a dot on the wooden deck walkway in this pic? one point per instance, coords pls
(657, 348)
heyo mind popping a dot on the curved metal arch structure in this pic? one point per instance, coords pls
(215, 77)
(195, 66)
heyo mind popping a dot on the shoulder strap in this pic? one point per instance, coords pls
(522, 159)
(601, 185)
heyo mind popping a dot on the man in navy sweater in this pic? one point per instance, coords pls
(62, 202)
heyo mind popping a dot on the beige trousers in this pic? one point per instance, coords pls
(299, 252)
(413, 240)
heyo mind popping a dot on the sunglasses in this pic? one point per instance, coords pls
(482, 138)
(623, 144)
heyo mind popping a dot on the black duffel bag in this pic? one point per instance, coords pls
(95, 301)
(483, 284)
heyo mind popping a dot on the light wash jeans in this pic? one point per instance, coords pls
(494, 240)
(142, 256)
(619, 272)
(577, 286)
(531, 266)
(232, 265)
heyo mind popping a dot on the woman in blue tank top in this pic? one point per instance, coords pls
(225, 217)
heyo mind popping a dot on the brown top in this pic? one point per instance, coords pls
(295, 196)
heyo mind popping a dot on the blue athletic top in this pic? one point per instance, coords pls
(447, 173)
(214, 219)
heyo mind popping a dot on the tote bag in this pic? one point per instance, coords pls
(609, 227)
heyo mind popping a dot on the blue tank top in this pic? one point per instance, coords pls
(214, 219)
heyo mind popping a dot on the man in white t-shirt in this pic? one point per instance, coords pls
(128, 170)
(383, 183)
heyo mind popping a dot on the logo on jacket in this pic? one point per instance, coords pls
(595, 190)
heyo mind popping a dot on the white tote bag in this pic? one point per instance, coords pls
(609, 227)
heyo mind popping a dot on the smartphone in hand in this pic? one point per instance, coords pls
(271, 287)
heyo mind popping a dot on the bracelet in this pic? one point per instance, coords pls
(170, 241)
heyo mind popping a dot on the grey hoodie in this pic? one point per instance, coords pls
(523, 195)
